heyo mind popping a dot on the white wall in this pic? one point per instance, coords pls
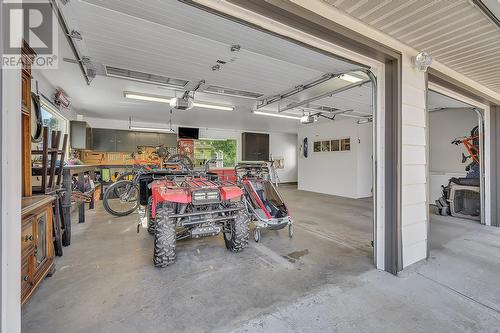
(343, 173)
(365, 160)
(414, 219)
(280, 144)
(46, 89)
(285, 145)
(11, 200)
(444, 127)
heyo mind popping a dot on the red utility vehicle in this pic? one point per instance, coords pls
(191, 207)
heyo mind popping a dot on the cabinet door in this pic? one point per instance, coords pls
(41, 244)
(27, 235)
(103, 139)
(126, 141)
(26, 278)
(79, 132)
(255, 146)
(168, 139)
(147, 139)
(263, 147)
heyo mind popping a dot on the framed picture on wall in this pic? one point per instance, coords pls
(317, 146)
(335, 145)
(325, 145)
(345, 144)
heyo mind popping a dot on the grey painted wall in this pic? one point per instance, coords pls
(444, 126)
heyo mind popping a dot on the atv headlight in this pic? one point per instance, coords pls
(205, 197)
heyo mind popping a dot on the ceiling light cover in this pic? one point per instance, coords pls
(278, 115)
(351, 78)
(165, 99)
(213, 106)
(151, 129)
(148, 98)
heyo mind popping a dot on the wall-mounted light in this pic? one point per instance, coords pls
(165, 99)
(422, 61)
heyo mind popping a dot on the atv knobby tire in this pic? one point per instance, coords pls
(165, 238)
(237, 239)
(149, 218)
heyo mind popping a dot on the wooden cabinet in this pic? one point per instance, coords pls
(255, 147)
(27, 59)
(37, 249)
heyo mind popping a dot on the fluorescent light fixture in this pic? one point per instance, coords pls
(214, 107)
(148, 98)
(350, 78)
(278, 115)
(164, 99)
(151, 129)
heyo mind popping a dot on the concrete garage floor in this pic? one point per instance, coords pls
(321, 280)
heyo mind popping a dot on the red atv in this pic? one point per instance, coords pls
(193, 207)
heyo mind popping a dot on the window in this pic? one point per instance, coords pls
(52, 118)
(224, 151)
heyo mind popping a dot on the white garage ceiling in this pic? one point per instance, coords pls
(175, 40)
(455, 32)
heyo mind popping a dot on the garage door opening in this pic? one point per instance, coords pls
(221, 94)
(455, 161)
(458, 241)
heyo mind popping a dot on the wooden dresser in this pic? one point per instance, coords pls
(37, 248)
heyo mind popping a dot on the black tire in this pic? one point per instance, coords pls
(36, 116)
(110, 194)
(165, 238)
(151, 222)
(237, 239)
